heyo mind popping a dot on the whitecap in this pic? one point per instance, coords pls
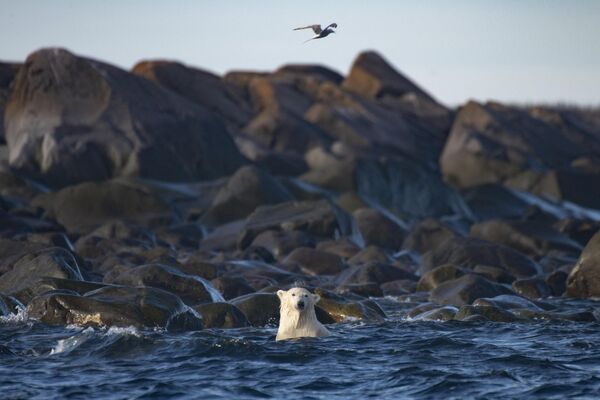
(14, 318)
(72, 342)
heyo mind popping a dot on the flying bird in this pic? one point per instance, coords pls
(319, 33)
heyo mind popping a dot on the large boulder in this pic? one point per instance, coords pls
(142, 307)
(372, 76)
(8, 71)
(198, 86)
(53, 262)
(379, 230)
(342, 309)
(71, 119)
(315, 262)
(48, 284)
(260, 308)
(86, 206)
(222, 315)
(524, 149)
(584, 279)
(530, 237)
(373, 272)
(408, 189)
(320, 218)
(191, 289)
(469, 253)
(245, 190)
(12, 251)
(465, 290)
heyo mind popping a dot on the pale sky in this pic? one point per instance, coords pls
(520, 51)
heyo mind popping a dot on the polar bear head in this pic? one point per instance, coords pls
(297, 299)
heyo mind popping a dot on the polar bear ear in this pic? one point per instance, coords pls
(280, 293)
(316, 297)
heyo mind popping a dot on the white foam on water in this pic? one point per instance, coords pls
(122, 331)
(15, 318)
(72, 342)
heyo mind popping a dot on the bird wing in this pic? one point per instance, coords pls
(333, 25)
(316, 28)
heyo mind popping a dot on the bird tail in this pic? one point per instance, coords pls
(308, 40)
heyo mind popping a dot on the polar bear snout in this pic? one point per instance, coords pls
(300, 305)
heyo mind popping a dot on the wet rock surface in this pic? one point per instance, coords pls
(169, 197)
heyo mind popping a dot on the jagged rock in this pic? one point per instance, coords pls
(584, 279)
(86, 206)
(465, 290)
(222, 315)
(70, 119)
(142, 307)
(370, 254)
(244, 191)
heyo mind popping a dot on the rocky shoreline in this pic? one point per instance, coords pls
(170, 197)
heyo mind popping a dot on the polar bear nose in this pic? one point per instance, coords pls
(301, 304)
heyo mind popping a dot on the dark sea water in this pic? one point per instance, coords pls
(398, 358)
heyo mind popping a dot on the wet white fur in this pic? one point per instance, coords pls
(296, 323)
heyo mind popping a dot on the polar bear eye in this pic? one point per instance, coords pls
(293, 294)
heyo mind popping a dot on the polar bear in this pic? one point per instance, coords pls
(297, 316)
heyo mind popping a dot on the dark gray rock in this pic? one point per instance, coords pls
(192, 290)
(490, 313)
(373, 272)
(71, 119)
(584, 279)
(439, 275)
(222, 315)
(116, 306)
(52, 262)
(244, 191)
(87, 206)
(532, 288)
(315, 262)
(376, 229)
(468, 253)
(465, 290)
